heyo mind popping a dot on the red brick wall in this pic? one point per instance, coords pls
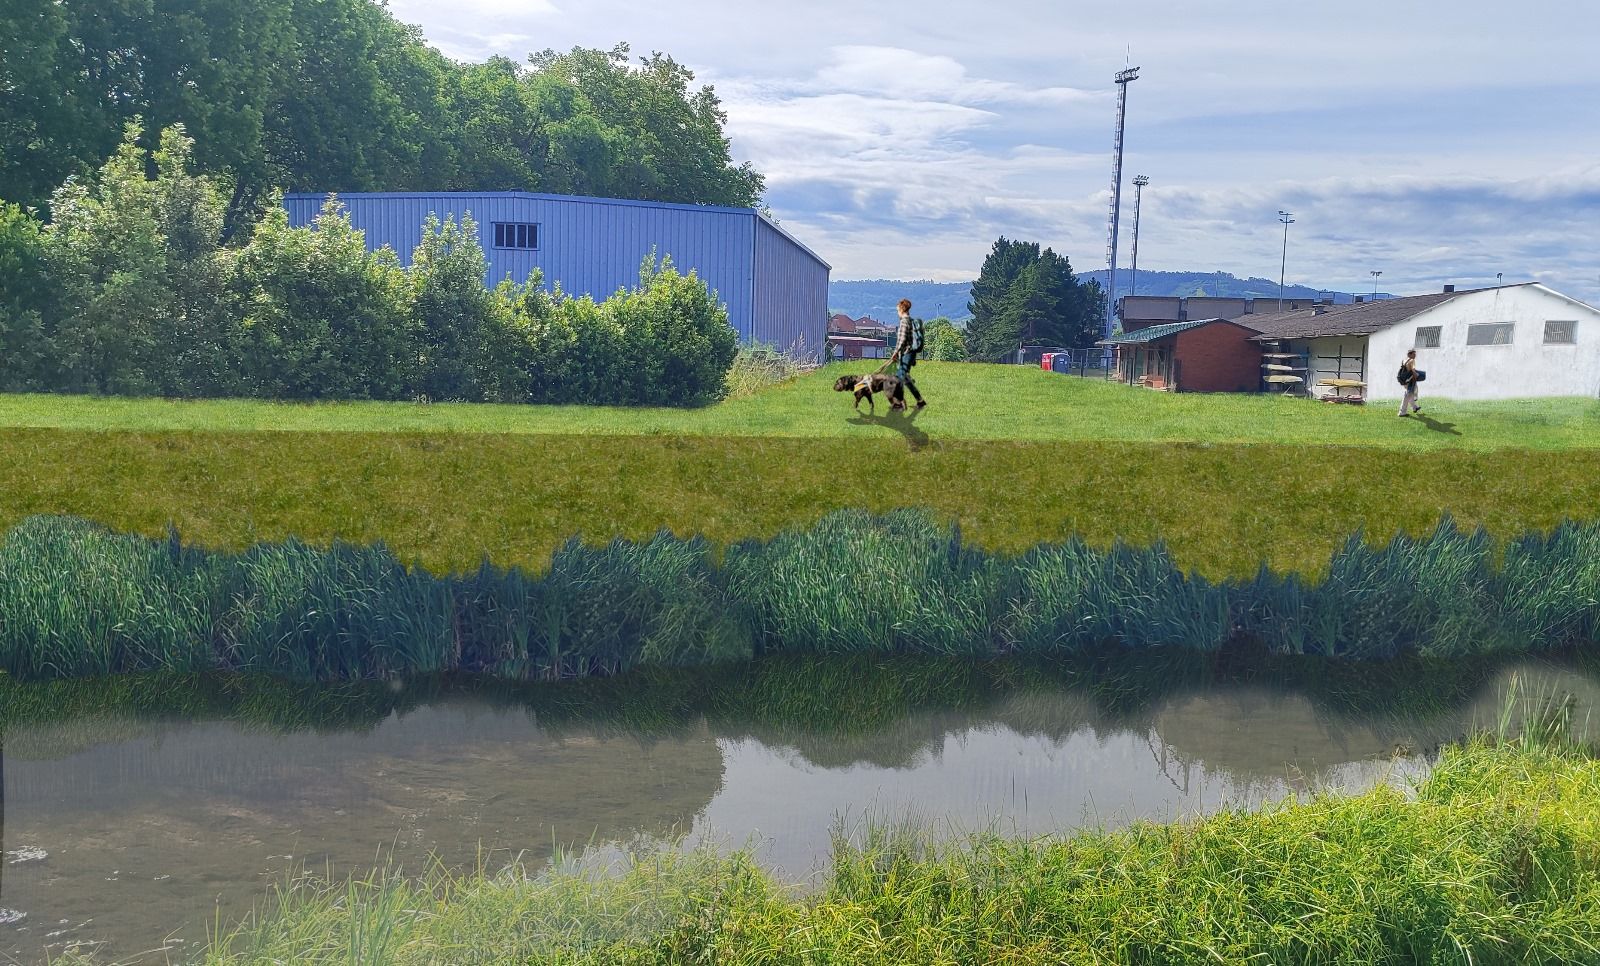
(1218, 358)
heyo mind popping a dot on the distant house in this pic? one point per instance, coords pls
(775, 288)
(1204, 355)
(862, 338)
(1507, 342)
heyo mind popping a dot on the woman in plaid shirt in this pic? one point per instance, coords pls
(908, 342)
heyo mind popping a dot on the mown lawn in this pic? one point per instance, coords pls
(967, 402)
(1015, 455)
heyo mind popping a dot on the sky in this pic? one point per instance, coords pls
(1435, 142)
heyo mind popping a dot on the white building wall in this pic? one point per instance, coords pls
(1527, 368)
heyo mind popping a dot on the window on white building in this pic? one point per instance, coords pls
(513, 235)
(1561, 333)
(1490, 333)
(1428, 336)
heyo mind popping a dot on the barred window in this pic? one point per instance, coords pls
(1490, 333)
(516, 235)
(1561, 333)
(1428, 336)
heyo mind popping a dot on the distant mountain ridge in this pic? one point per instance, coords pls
(877, 297)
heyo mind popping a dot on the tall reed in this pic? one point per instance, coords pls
(77, 600)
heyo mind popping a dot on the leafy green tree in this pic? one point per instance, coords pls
(27, 351)
(946, 343)
(143, 286)
(1025, 295)
(452, 309)
(326, 319)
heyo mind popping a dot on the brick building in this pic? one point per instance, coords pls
(1206, 355)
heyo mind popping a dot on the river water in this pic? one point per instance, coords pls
(133, 837)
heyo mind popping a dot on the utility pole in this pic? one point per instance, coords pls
(1288, 219)
(1139, 181)
(1122, 78)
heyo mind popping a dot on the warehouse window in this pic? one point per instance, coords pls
(1490, 333)
(1428, 336)
(1561, 333)
(515, 235)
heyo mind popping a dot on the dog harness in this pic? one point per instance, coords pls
(864, 384)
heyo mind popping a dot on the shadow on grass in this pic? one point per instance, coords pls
(1436, 426)
(902, 422)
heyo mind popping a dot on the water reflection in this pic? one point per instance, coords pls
(116, 829)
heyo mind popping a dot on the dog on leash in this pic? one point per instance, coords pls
(866, 386)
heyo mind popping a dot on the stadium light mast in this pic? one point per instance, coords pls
(1288, 219)
(1375, 275)
(1139, 181)
(1122, 78)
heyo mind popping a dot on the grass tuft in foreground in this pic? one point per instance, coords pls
(77, 600)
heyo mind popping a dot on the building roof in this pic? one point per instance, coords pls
(1361, 318)
(853, 339)
(841, 323)
(567, 199)
(1156, 333)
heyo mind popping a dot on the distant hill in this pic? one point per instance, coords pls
(877, 297)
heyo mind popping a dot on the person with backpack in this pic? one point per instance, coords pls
(1409, 376)
(908, 343)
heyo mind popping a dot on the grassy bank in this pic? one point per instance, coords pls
(968, 402)
(448, 501)
(79, 601)
(1496, 859)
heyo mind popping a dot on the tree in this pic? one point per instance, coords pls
(452, 309)
(142, 282)
(27, 353)
(946, 343)
(326, 319)
(1027, 296)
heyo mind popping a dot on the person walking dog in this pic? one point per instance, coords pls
(908, 343)
(1409, 376)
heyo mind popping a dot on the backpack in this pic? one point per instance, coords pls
(916, 335)
(1404, 376)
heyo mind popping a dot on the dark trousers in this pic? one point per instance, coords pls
(904, 372)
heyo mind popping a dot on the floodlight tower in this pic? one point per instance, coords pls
(1139, 181)
(1122, 78)
(1287, 218)
(1375, 273)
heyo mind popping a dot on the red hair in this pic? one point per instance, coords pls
(905, 305)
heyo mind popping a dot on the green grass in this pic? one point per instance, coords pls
(1014, 455)
(79, 601)
(1496, 859)
(967, 402)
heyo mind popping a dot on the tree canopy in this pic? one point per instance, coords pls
(1025, 295)
(338, 95)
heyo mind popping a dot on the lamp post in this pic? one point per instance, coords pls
(1288, 219)
(1375, 275)
(1139, 181)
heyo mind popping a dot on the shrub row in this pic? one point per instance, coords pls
(134, 289)
(78, 600)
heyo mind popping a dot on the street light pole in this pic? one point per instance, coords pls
(1288, 219)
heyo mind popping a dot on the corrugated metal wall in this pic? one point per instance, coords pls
(791, 295)
(595, 246)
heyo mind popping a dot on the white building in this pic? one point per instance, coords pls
(1509, 342)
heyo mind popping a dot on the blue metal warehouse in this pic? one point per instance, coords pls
(775, 289)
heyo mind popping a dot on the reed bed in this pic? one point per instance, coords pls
(78, 600)
(1495, 858)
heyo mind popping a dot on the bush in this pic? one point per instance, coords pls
(27, 353)
(325, 318)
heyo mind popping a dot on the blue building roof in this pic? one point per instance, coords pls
(580, 199)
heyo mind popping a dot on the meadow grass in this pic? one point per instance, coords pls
(448, 501)
(1494, 859)
(968, 401)
(77, 600)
